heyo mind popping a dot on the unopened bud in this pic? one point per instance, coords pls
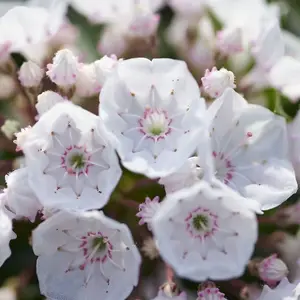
(215, 82)
(208, 291)
(30, 74)
(64, 69)
(272, 270)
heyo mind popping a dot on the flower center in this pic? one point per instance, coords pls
(100, 243)
(200, 222)
(155, 123)
(77, 161)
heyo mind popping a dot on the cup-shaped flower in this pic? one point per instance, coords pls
(205, 232)
(70, 163)
(154, 114)
(85, 254)
(46, 101)
(250, 150)
(20, 199)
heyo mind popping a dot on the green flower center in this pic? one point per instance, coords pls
(100, 243)
(200, 222)
(77, 161)
(156, 130)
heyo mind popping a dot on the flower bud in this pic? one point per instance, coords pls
(47, 100)
(10, 127)
(149, 248)
(64, 69)
(209, 291)
(272, 270)
(229, 41)
(30, 74)
(215, 82)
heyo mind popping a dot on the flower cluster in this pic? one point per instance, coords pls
(107, 145)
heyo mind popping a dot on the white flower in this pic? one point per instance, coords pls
(215, 82)
(283, 76)
(64, 69)
(30, 74)
(23, 28)
(189, 174)
(6, 234)
(268, 48)
(250, 150)
(20, 199)
(247, 15)
(10, 127)
(85, 254)
(230, 41)
(21, 137)
(154, 114)
(147, 211)
(272, 270)
(284, 291)
(205, 232)
(70, 163)
(47, 100)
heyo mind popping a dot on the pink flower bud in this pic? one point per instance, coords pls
(215, 82)
(30, 74)
(272, 270)
(64, 69)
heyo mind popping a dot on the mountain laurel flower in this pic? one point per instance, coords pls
(30, 74)
(10, 127)
(285, 290)
(272, 270)
(153, 113)
(71, 165)
(20, 198)
(64, 69)
(215, 82)
(201, 230)
(230, 41)
(147, 210)
(46, 101)
(81, 255)
(6, 234)
(189, 174)
(249, 150)
(170, 291)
